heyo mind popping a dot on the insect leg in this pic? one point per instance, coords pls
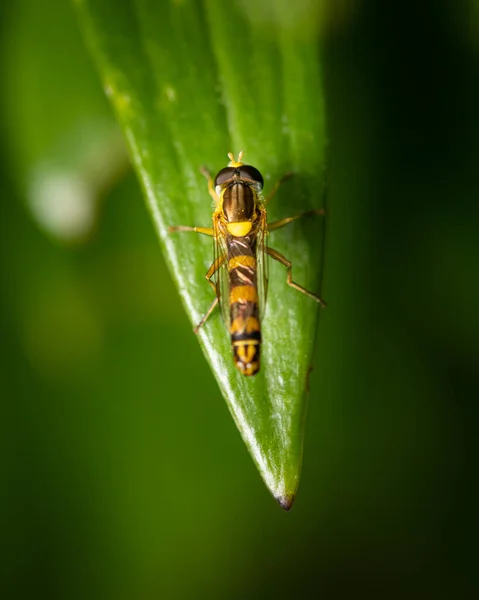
(211, 271)
(204, 230)
(277, 186)
(211, 186)
(282, 222)
(205, 317)
(289, 278)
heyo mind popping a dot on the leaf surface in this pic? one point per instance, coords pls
(189, 82)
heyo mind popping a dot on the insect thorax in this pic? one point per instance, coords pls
(239, 202)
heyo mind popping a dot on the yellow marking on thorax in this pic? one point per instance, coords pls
(243, 293)
(242, 261)
(240, 228)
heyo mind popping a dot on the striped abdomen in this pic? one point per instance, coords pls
(245, 326)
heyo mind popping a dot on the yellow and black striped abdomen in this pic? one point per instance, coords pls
(245, 325)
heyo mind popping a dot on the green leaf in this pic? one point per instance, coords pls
(191, 81)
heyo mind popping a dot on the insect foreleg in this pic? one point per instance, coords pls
(277, 186)
(211, 186)
(203, 230)
(289, 278)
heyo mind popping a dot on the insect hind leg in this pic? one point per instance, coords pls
(206, 315)
(209, 274)
(289, 278)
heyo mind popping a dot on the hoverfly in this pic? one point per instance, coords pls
(239, 232)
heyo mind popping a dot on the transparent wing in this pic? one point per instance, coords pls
(262, 264)
(256, 273)
(221, 276)
(253, 273)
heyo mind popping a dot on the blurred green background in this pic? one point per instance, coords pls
(122, 473)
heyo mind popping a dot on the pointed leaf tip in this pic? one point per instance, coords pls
(286, 501)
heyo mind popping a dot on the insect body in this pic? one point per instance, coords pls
(239, 223)
(239, 232)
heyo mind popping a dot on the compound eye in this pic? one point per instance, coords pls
(224, 175)
(249, 172)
